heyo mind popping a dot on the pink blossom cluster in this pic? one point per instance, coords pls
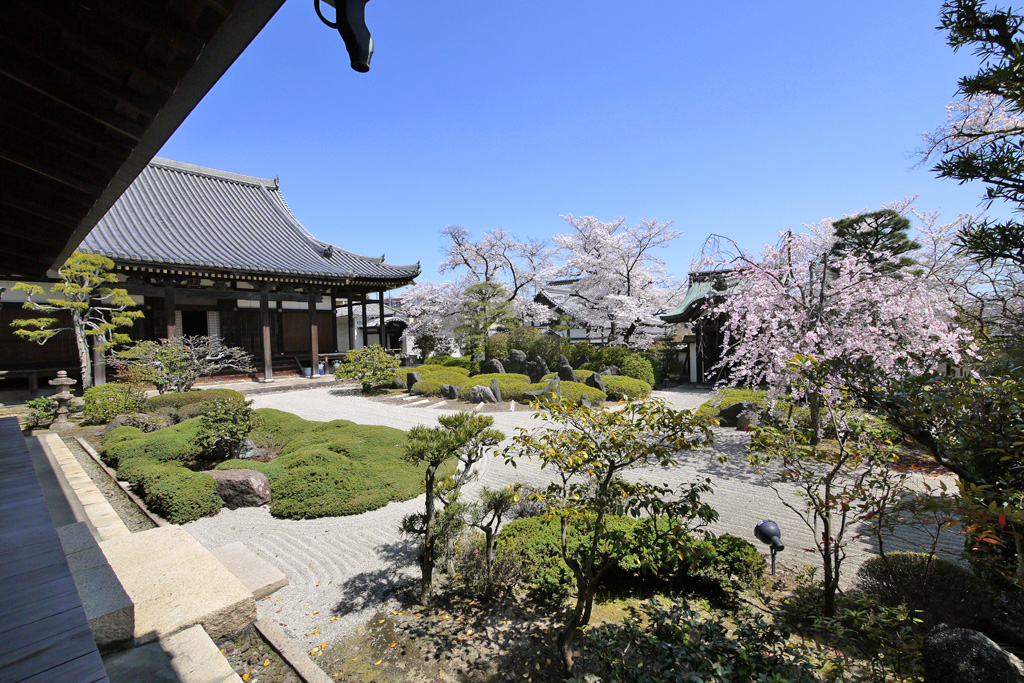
(798, 299)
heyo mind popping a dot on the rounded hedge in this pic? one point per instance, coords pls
(620, 387)
(107, 401)
(638, 367)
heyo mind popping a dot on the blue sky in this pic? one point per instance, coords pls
(740, 118)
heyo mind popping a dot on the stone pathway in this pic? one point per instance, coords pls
(342, 569)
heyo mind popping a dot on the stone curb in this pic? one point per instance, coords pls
(290, 651)
(152, 516)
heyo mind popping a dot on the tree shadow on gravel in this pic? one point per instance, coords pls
(370, 589)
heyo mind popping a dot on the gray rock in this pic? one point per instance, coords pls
(479, 357)
(493, 366)
(729, 415)
(581, 361)
(242, 488)
(516, 362)
(536, 369)
(248, 450)
(411, 378)
(960, 655)
(565, 371)
(553, 387)
(585, 401)
(451, 391)
(397, 383)
(481, 394)
(496, 390)
(609, 370)
(596, 382)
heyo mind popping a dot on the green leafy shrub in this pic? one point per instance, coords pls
(107, 401)
(181, 399)
(42, 409)
(371, 366)
(620, 387)
(938, 590)
(611, 355)
(719, 566)
(225, 425)
(638, 367)
(335, 468)
(675, 643)
(665, 361)
(496, 346)
(522, 339)
(576, 350)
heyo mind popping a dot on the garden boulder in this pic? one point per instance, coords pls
(609, 370)
(581, 361)
(729, 416)
(565, 371)
(516, 362)
(451, 391)
(479, 394)
(248, 450)
(411, 378)
(496, 390)
(960, 655)
(398, 383)
(536, 369)
(242, 488)
(595, 381)
(551, 388)
(491, 367)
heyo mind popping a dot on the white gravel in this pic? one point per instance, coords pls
(347, 567)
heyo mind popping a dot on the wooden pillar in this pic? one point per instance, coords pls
(351, 324)
(314, 335)
(366, 332)
(380, 320)
(268, 356)
(169, 310)
(335, 344)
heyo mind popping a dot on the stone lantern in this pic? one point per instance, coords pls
(63, 396)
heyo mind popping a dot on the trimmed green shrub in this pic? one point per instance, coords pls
(571, 391)
(107, 401)
(620, 387)
(512, 385)
(225, 426)
(496, 346)
(720, 566)
(178, 400)
(580, 374)
(638, 367)
(575, 350)
(336, 468)
(939, 591)
(172, 444)
(468, 364)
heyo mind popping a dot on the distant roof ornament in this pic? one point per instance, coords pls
(350, 22)
(328, 251)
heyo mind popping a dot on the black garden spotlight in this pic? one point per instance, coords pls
(768, 533)
(350, 22)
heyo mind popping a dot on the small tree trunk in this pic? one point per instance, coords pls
(814, 403)
(84, 356)
(427, 562)
(489, 562)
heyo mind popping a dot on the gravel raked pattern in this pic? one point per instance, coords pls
(342, 569)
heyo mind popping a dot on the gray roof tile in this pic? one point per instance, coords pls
(180, 214)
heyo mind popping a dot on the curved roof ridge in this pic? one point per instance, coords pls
(173, 165)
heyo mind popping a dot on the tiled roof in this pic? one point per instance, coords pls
(178, 214)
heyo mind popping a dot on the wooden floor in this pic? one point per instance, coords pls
(44, 635)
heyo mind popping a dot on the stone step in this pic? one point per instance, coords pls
(256, 574)
(188, 656)
(108, 608)
(176, 583)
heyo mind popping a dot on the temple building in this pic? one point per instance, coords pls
(208, 252)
